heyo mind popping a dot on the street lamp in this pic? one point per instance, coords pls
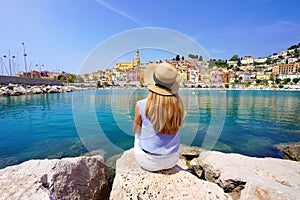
(40, 68)
(1, 65)
(25, 59)
(9, 63)
(13, 65)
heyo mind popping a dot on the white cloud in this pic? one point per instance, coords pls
(279, 26)
(118, 11)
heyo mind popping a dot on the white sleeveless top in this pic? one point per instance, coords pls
(153, 141)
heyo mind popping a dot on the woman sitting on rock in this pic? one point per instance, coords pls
(158, 119)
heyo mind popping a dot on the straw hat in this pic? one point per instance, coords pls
(162, 78)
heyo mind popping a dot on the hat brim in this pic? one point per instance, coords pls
(150, 83)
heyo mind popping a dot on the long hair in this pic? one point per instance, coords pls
(166, 113)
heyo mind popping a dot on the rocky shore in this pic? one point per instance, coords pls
(17, 89)
(199, 174)
(290, 151)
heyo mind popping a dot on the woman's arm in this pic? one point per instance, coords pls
(137, 122)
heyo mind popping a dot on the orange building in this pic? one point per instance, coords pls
(290, 68)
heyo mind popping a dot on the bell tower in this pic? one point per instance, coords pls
(137, 58)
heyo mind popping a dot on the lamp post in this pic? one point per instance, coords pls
(13, 70)
(9, 63)
(25, 59)
(40, 68)
(1, 65)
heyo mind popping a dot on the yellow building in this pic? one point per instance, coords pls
(124, 66)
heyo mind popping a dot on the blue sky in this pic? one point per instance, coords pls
(60, 34)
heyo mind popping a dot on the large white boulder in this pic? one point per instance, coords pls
(20, 89)
(132, 182)
(68, 178)
(249, 177)
(36, 90)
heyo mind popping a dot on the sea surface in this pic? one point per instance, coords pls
(71, 124)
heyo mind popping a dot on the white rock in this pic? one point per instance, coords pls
(68, 178)
(132, 182)
(53, 90)
(36, 90)
(257, 178)
(20, 89)
(11, 86)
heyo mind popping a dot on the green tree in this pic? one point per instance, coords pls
(268, 61)
(71, 78)
(99, 85)
(278, 80)
(177, 58)
(296, 52)
(182, 58)
(296, 80)
(221, 63)
(286, 80)
(200, 58)
(105, 84)
(240, 79)
(271, 78)
(239, 63)
(258, 81)
(62, 78)
(193, 56)
(265, 82)
(294, 46)
(212, 63)
(234, 58)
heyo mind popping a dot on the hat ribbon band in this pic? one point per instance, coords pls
(158, 83)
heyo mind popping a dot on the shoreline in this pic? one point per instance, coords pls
(20, 89)
(289, 151)
(217, 89)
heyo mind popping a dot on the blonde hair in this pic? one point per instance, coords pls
(166, 113)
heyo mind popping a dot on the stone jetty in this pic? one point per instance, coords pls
(17, 89)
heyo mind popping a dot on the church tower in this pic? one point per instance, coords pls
(137, 58)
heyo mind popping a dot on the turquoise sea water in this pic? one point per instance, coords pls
(70, 124)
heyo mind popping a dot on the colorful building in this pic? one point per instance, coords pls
(124, 66)
(290, 68)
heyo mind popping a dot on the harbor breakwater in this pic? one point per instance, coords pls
(16, 86)
(5, 80)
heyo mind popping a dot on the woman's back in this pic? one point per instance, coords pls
(158, 119)
(153, 141)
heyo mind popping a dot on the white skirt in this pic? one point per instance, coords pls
(154, 162)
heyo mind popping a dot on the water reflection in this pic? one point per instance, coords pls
(68, 124)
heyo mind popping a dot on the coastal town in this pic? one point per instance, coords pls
(278, 71)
